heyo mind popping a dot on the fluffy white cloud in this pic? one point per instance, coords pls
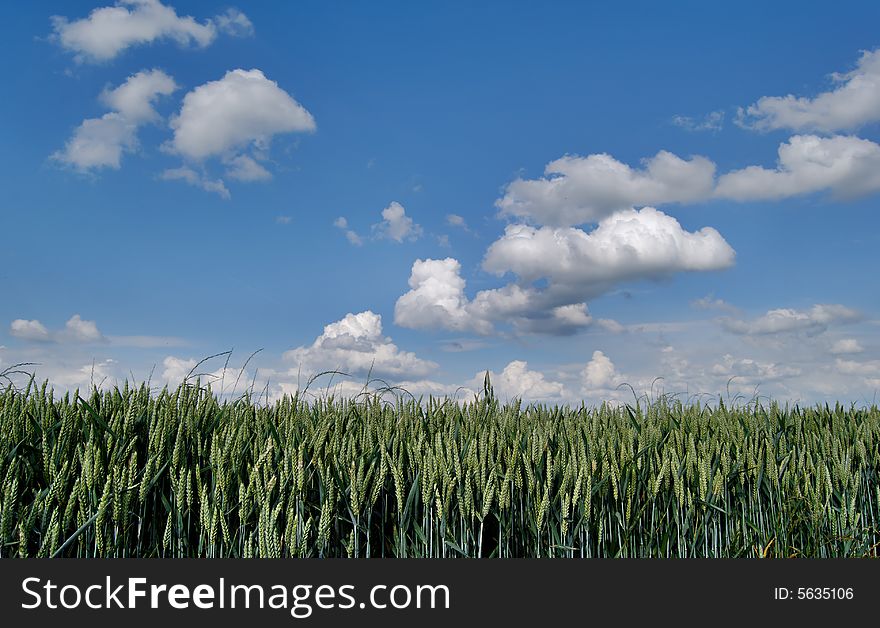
(853, 102)
(576, 265)
(599, 374)
(196, 179)
(356, 345)
(246, 168)
(846, 166)
(28, 330)
(243, 109)
(78, 330)
(100, 142)
(396, 225)
(75, 330)
(176, 369)
(341, 223)
(108, 31)
(577, 190)
(846, 346)
(517, 381)
(783, 320)
(134, 99)
(436, 299)
(631, 244)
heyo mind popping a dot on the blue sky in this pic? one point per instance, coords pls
(573, 196)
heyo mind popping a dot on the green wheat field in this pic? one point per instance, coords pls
(180, 473)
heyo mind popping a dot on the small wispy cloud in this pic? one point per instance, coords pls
(713, 121)
(341, 223)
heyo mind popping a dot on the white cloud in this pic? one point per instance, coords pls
(517, 381)
(246, 168)
(713, 121)
(610, 325)
(631, 244)
(846, 166)
(578, 190)
(852, 367)
(576, 265)
(235, 23)
(355, 345)
(846, 346)
(341, 223)
(599, 374)
(243, 109)
(436, 299)
(134, 99)
(750, 373)
(853, 102)
(78, 330)
(223, 380)
(176, 369)
(108, 31)
(98, 374)
(75, 330)
(188, 175)
(29, 330)
(100, 142)
(784, 320)
(396, 225)
(454, 220)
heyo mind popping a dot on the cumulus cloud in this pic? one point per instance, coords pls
(846, 346)
(854, 101)
(785, 320)
(631, 244)
(599, 374)
(341, 223)
(243, 108)
(356, 345)
(436, 299)
(578, 190)
(100, 142)
(396, 225)
(176, 369)
(29, 330)
(845, 166)
(517, 381)
(108, 31)
(576, 266)
(78, 330)
(196, 179)
(75, 330)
